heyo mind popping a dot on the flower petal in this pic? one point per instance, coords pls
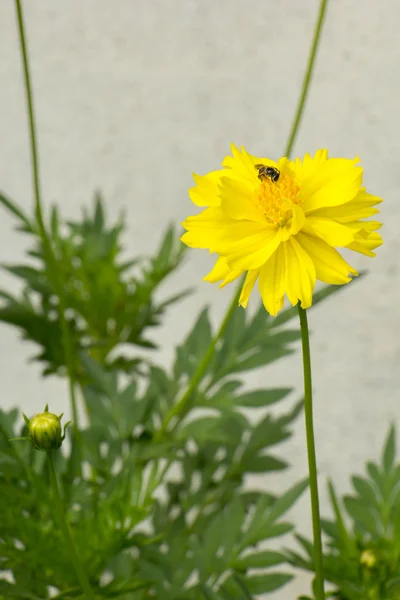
(330, 267)
(250, 280)
(205, 229)
(361, 207)
(332, 232)
(298, 219)
(248, 245)
(205, 193)
(307, 167)
(336, 182)
(300, 274)
(237, 200)
(365, 244)
(241, 164)
(272, 281)
(221, 271)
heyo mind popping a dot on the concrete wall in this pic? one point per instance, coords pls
(122, 86)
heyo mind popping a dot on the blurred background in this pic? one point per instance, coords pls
(132, 97)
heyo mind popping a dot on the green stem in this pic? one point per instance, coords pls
(182, 406)
(307, 78)
(80, 572)
(52, 263)
(312, 460)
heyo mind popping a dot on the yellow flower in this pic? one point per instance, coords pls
(281, 222)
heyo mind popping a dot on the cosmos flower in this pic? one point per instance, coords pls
(282, 222)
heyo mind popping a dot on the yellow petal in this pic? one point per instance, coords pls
(237, 200)
(205, 229)
(240, 164)
(330, 267)
(365, 245)
(250, 280)
(332, 232)
(219, 271)
(248, 245)
(361, 207)
(272, 281)
(307, 167)
(336, 182)
(300, 274)
(298, 219)
(205, 193)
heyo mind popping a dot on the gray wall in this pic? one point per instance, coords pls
(122, 86)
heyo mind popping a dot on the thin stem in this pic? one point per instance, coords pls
(58, 503)
(307, 78)
(312, 461)
(182, 406)
(52, 263)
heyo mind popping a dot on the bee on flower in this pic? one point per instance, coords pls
(282, 223)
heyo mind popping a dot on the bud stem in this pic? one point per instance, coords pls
(80, 572)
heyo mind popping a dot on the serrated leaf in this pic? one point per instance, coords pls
(260, 398)
(101, 379)
(286, 501)
(263, 464)
(365, 491)
(270, 582)
(361, 514)
(233, 517)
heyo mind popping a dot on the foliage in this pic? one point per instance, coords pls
(363, 558)
(162, 509)
(109, 300)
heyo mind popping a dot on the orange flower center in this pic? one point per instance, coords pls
(275, 199)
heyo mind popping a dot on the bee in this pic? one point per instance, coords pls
(265, 172)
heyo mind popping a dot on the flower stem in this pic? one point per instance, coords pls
(307, 78)
(80, 572)
(52, 264)
(312, 461)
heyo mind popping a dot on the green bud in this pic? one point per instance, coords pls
(368, 559)
(45, 431)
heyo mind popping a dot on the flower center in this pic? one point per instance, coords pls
(275, 199)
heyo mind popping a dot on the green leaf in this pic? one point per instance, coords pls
(259, 560)
(389, 451)
(366, 491)
(260, 398)
(266, 433)
(194, 347)
(16, 211)
(270, 582)
(207, 429)
(344, 535)
(233, 517)
(263, 464)
(100, 378)
(286, 501)
(361, 514)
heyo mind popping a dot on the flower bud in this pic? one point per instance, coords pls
(45, 431)
(368, 559)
